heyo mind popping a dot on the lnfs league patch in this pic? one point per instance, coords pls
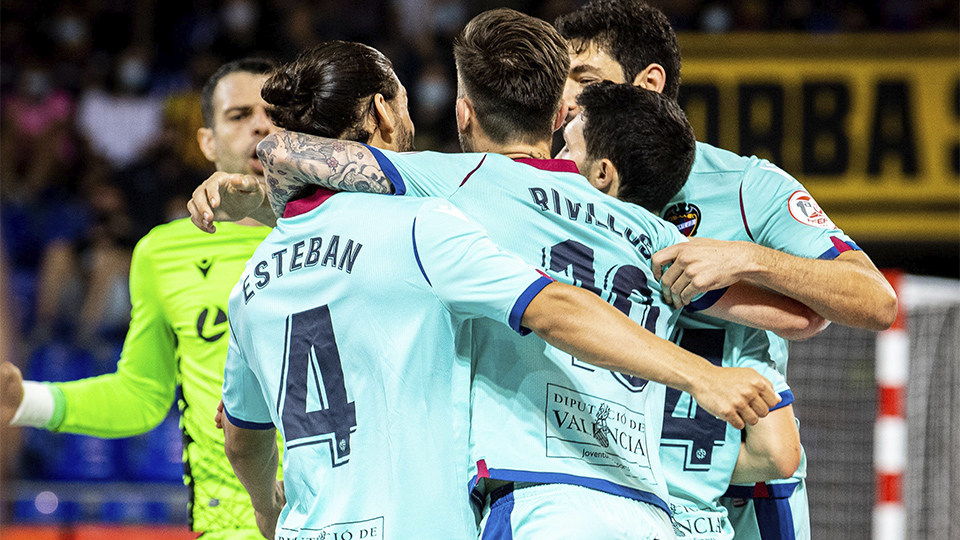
(685, 217)
(806, 210)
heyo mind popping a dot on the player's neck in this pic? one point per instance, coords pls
(478, 141)
(521, 150)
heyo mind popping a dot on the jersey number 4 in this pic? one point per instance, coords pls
(313, 362)
(689, 426)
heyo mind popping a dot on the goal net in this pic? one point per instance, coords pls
(833, 379)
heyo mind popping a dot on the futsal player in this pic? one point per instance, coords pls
(344, 328)
(180, 281)
(615, 477)
(784, 241)
(701, 455)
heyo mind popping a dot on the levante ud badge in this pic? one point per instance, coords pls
(685, 217)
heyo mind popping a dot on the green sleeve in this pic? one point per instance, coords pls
(137, 397)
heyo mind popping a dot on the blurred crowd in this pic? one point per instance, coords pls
(101, 103)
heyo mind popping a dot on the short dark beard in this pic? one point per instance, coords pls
(404, 139)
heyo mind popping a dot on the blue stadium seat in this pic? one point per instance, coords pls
(157, 456)
(45, 507)
(57, 456)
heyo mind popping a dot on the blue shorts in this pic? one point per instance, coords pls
(569, 512)
(783, 514)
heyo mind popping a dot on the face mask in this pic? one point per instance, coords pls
(133, 74)
(716, 20)
(37, 84)
(433, 94)
(240, 16)
(70, 30)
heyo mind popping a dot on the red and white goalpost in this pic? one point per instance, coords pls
(890, 432)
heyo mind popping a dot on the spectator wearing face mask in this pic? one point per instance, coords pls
(120, 124)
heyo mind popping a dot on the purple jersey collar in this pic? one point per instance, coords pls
(554, 165)
(306, 204)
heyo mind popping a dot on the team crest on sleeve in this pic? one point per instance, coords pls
(685, 217)
(806, 210)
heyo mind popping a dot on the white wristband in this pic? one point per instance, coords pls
(37, 406)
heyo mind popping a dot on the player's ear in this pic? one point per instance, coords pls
(653, 77)
(383, 116)
(606, 178)
(561, 115)
(464, 114)
(207, 144)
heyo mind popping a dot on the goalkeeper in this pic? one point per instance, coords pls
(180, 281)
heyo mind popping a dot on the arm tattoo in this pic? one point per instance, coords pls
(295, 160)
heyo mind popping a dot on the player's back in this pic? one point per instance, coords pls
(540, 415)
(355, 355)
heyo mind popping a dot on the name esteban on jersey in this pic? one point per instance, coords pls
(302, 254)
(550, 200)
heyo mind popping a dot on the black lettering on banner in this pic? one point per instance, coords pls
(955, 155)
(825, 109)
(761, 120)
(692, 97)
(892, 132)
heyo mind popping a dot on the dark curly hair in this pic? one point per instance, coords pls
(327, 90)
(634, 33)
(645, 135)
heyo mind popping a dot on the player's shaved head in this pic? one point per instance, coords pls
(512, 67)
(634, 33)
(645, 135)
(328, 90)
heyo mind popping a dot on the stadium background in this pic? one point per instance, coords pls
(100, 106)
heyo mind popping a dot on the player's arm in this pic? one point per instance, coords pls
(473, 277)
(254, 457)
(770, 450)
(131, 401)
(848, 290)
(291, 162)
(250, 438)
(692, 285)
(756, 307)
(230, 197)
(795, 250)
(580, 323)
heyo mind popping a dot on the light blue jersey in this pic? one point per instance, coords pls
(698, 451)
(731, 197)
(345, 328)
(538, 414)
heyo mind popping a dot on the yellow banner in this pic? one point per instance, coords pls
(870, 124)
